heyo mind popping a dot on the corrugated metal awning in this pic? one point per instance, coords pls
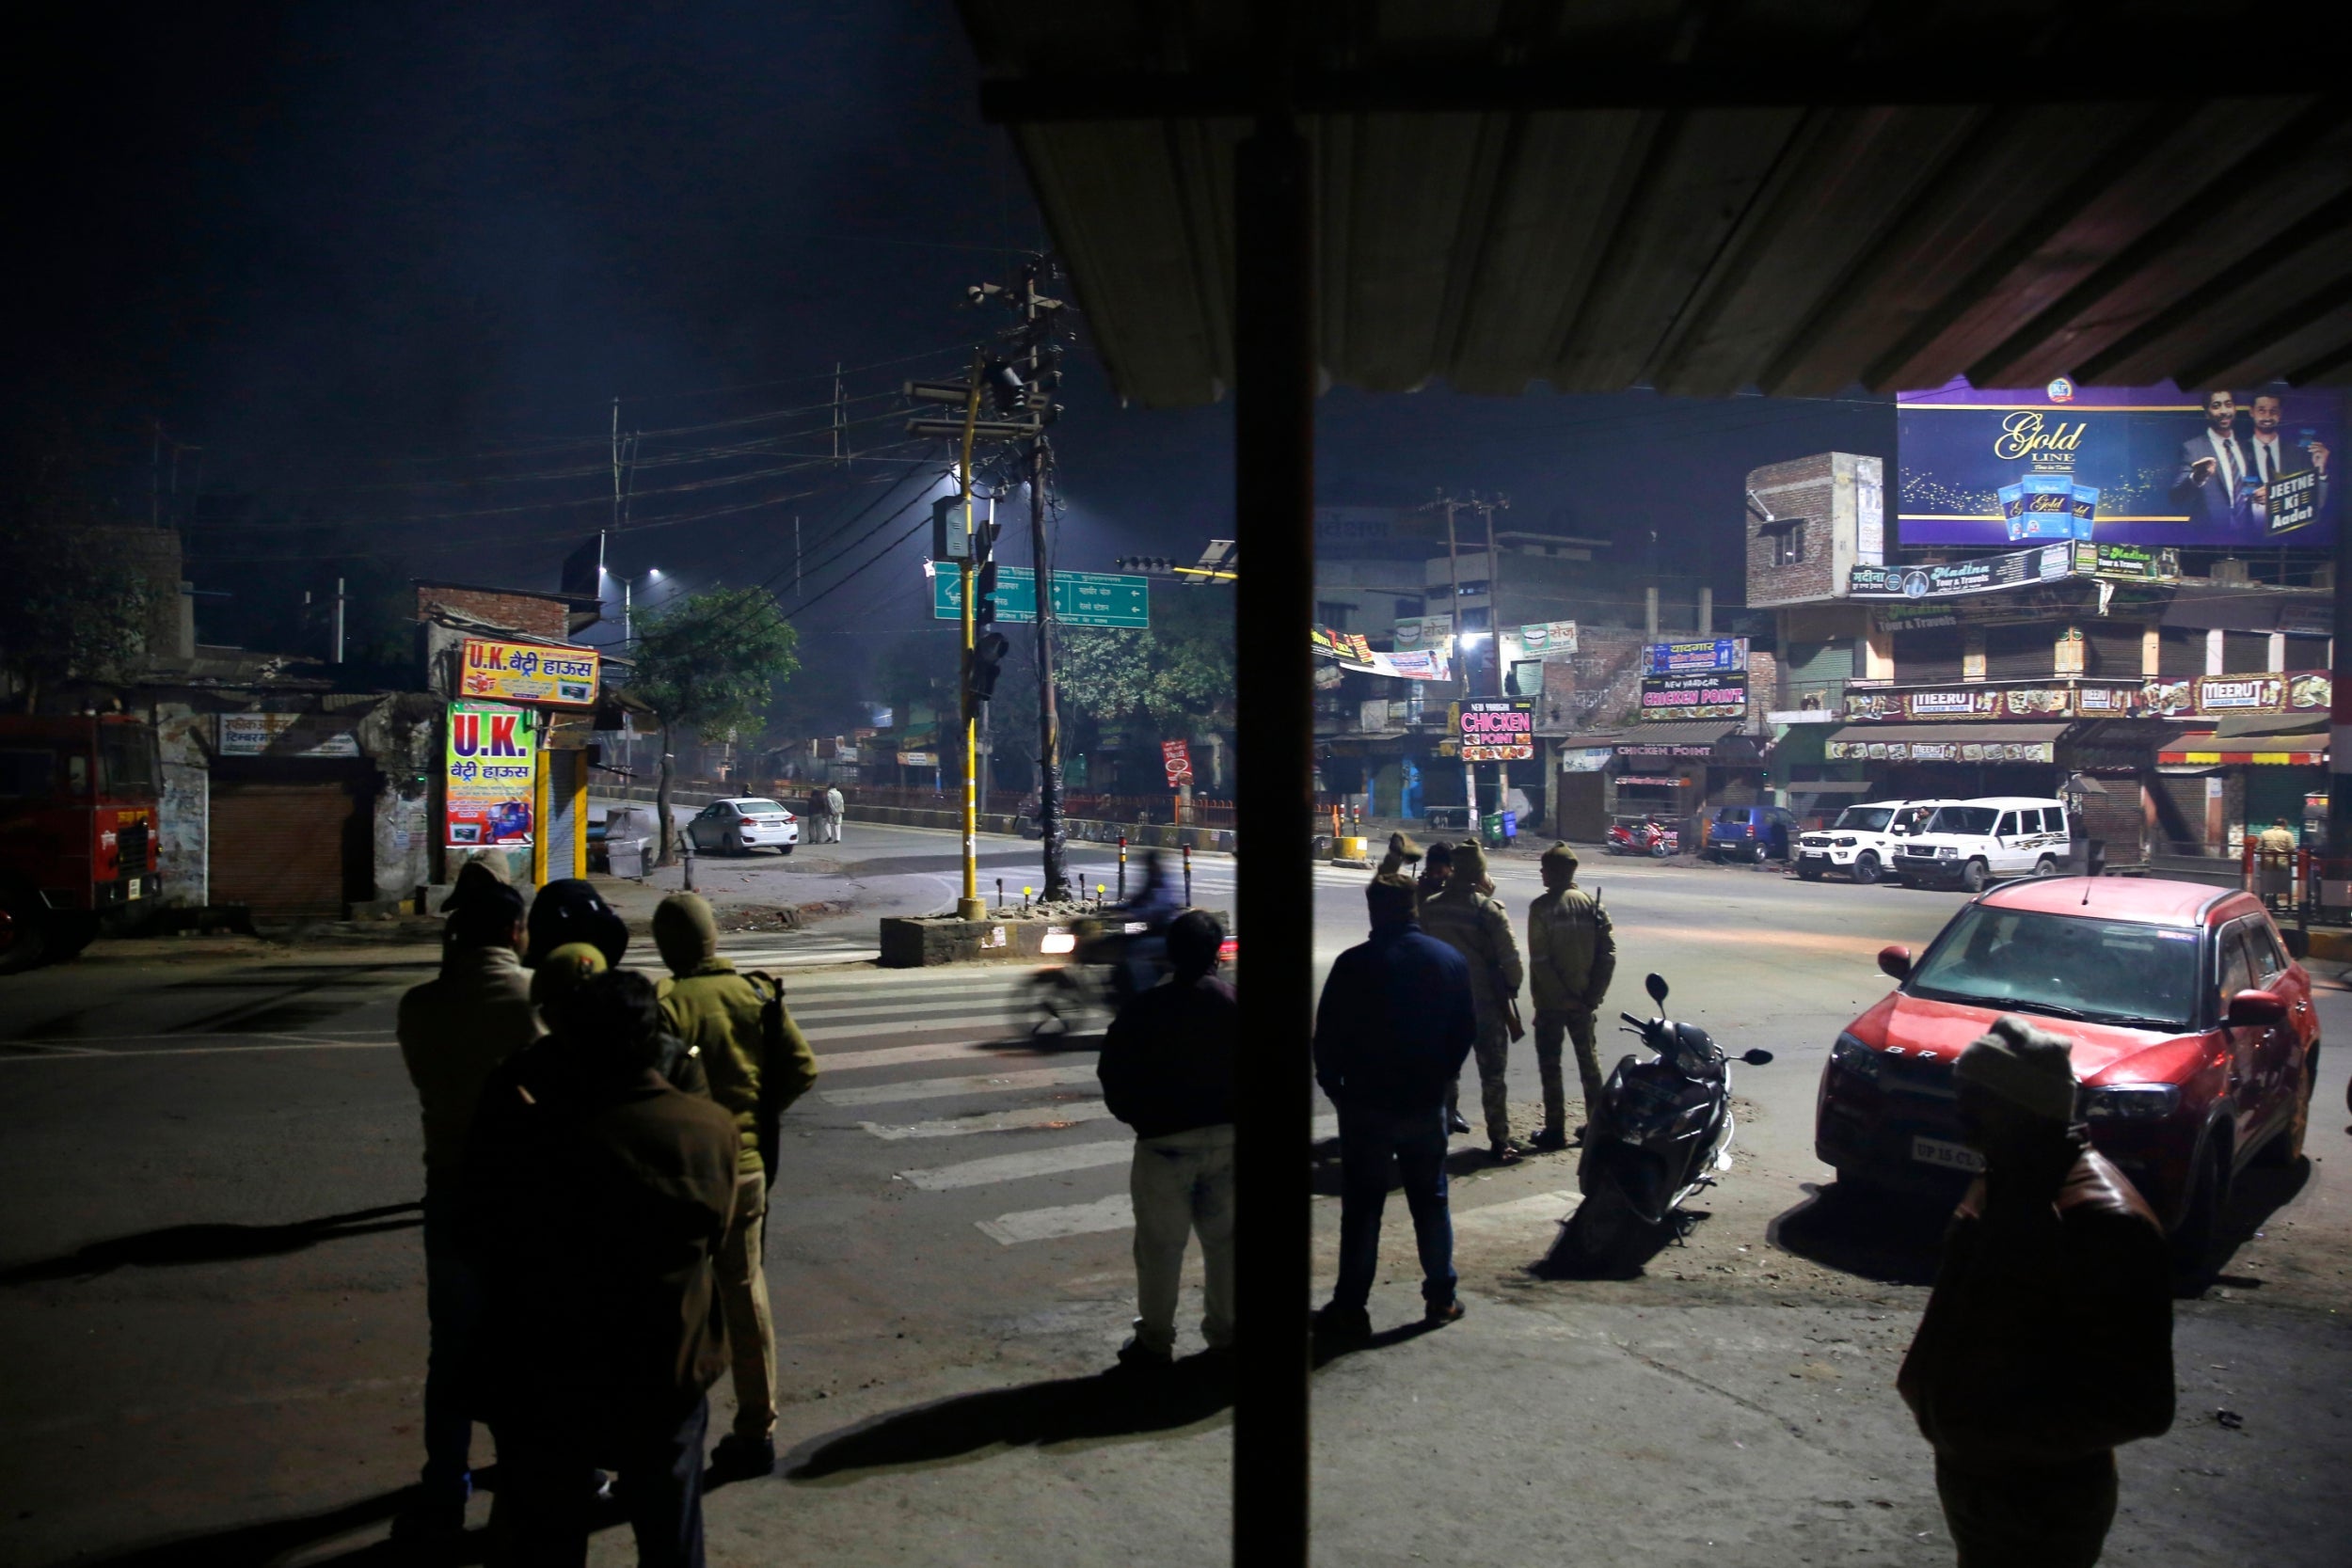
(1705, 199)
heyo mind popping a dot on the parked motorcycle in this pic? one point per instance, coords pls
(1651, 838)
(1662, 1132)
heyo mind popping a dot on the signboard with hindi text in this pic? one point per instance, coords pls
(1080, 598)
(489, 772)
(527, 672)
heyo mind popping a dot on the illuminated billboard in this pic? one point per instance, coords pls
(2239, 468)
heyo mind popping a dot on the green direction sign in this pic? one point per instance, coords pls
(1080, 598)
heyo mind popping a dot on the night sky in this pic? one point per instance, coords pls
(348, 250)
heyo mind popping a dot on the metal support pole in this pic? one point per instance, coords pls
(969, 906)
(1188, 876)
(2339, 862)
(1122, 869)
(1274, 497)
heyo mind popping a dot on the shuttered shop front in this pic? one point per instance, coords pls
(290, 839)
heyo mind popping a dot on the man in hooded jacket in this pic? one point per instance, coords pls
(2048, 1339)
(755, 1072)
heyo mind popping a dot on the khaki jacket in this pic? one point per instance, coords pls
(716, 1011)
(452, 1031)
(1478, 928)
(1571, 951)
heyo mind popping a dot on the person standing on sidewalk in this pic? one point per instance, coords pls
(1436, 864)
(1396, 1019)
(835, 806)
(2048, 1339)
(453, 1031)
(1474, 924)
(597, 1194)
(1166, 1069)
(1571, 957)
(758, 1064)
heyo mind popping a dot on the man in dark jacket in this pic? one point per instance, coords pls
(1168, 1072)
(454, 1032)
(1395, 1023)
(598, 1196)
(2048, 1339)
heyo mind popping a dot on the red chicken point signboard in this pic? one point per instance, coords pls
(1499, 730)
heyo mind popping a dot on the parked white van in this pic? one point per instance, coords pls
(1967, 843)
(1861, 843)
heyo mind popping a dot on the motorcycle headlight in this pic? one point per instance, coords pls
(1855, 1057)
(2130, 1103)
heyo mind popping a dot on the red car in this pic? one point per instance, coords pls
(2193, 1030)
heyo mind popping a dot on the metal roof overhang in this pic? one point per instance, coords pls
(1985, 735)
(1702, 200)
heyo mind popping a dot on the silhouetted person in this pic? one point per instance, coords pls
(1168, 1072)
(1395, 1023)
(2048, 1339)
(597, 1196)
(453, 1031)
(573, 911)
(1571, 957)
(1466, 915)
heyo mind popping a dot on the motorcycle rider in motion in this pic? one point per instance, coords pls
(1572, 955)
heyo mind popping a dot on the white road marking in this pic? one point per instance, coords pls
(894, 1055)
(1012, 1167)
(1115, 1212)
(1028, 1117)
(948, 1089)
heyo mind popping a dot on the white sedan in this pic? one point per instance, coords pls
(744, 823)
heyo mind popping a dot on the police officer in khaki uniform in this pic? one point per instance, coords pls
(1571, 957)
(1475, 924)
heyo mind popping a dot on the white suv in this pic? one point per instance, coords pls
(1967, 843)
(1862, 842)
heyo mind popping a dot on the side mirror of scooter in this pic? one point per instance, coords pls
(1758, 1058)
(1656, 985)
(1894, 959)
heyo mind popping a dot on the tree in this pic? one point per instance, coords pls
(1178, 674)
(709, 663)
(73, 603)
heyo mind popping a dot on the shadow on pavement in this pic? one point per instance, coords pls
(1891, 1238)
(214, 1244)
(2258, 1192)
(1567, 1259)
(1107, 1406)
(277, 1540)
(1328, 1180)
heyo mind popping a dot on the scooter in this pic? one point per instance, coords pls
(1662, 1132)
(1651, 838)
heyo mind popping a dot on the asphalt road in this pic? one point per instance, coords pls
(210, 1304)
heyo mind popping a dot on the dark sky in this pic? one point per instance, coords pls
(345, 249)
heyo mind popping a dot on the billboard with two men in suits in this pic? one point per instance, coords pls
(2229, 468)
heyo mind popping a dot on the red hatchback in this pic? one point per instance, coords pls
(2193, 1030)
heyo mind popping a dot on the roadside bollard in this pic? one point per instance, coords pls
(1097, 897)
(1000, 893)
(1187, 876)
(1122, 869)
(1024, 900)
(690, 865)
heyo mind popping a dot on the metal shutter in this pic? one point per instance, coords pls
(2019, 652)
(2117, 819)
(2180, 651)
(2113, 649)
(2245, 653)
(282, 846)
(1928, 656)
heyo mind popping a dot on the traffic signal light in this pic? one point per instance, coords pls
(984, 595)
(988, 663)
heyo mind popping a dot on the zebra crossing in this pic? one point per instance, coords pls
(936, 1067)
(771, 950)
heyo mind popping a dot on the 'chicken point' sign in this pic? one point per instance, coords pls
(1496, 730)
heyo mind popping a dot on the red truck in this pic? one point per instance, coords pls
(78, 812)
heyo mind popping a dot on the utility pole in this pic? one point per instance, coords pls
(1460, 651)
(969, 906)
(1051, 831)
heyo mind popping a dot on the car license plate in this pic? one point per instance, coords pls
(1951, 1156)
